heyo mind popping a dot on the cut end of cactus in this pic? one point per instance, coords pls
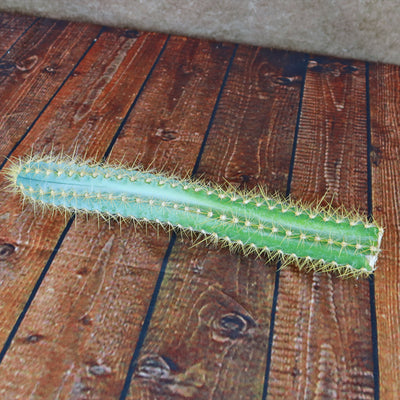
(372, 259)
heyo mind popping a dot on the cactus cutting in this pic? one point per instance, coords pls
(315, 238)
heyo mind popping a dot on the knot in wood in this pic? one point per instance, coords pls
(153, 367)
(99, 370)
(233, 325)
(34, 338)
(6, 249)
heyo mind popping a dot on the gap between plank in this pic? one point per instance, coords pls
(214, 112)
(35, 289)
(374, 325)
(19, 38)
(277, 275)
(51, 99)
(123, 122)
(153, 301)
(71, 220)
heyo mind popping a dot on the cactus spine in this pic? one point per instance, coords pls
(314, 238)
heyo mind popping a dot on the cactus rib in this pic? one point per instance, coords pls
(311, 236)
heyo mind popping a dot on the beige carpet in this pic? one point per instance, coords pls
(362, 29)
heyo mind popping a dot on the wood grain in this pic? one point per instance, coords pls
(36, 67)
(31, 237)
(11, 28)
(90, 308)
(322, 346)
(179, 117)
(385, 147)
(209, 333)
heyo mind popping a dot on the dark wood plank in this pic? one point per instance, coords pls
(90, 308)
(179, 117)
(209, 333)
(11, 28)
(88, 117)
(385, 128)
(36, 67)
(322, 344)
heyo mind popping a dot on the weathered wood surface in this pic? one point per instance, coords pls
(31, 239)
(328, 319)
(385, 164)
(12, 27)
(219, 304)
(37, 65)
(90, 311)
(95, 312)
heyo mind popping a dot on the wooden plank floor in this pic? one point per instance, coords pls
(91, 311)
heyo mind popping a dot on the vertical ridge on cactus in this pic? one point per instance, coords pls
(313, 237)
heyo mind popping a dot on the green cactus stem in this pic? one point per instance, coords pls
(314, 238)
